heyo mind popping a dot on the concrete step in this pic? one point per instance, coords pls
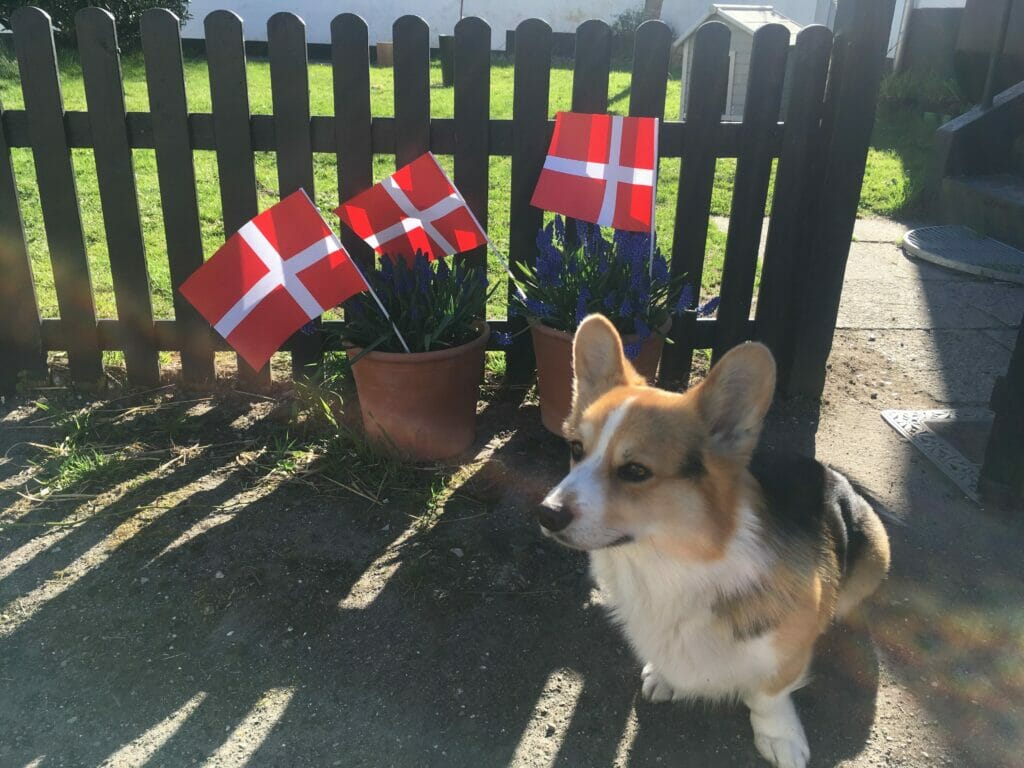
(992, 205)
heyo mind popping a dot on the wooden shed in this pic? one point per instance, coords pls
(743, 21)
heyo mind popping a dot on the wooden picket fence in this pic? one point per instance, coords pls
(820, 145)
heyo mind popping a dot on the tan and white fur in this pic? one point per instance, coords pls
(722, 566)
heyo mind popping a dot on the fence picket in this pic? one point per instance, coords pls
(590, 71)
(862, 31)
(530, 134)
(591, 65)
(115, 172)
(472, 112)
(412, 88)
(750, 192)
(350, 57)
(814, 195)
(21, 345)
(289, 85)
(55, 176)
(709, 75)
(649, 80)
(165, 79)
(229, 94)
(794, 201)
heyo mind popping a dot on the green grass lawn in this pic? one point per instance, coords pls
(887, 185)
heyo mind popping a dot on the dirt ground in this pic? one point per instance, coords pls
(221, 593)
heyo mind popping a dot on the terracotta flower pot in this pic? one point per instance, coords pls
(553, 349)
(422, 405)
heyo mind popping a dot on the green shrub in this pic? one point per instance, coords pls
(624, 30)
(127, 15)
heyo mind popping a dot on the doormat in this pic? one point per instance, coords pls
(952, 439)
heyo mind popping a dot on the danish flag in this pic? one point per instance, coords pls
(278, 272)
(601, 168)
(415, 209)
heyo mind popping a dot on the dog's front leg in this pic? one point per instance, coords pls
(778, 733)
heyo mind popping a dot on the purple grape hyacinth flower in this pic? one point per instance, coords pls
(685, 299)
(503, 338)
(581, 304)
(632, 351)
(709, 306)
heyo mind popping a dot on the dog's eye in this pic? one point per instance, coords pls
(634, 473)
(576, 450)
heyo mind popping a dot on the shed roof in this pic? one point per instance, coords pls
(748, 17)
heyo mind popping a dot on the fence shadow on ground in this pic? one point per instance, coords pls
(247, 619)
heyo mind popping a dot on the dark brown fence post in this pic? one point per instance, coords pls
(58, 194)
(753, 171)
(412, 88)
(21, 346)
(649, 80)
(472, 62)
(529, 146)
(168, 103)
(115, 172)
(794, 204)
(706, 92)
(590, 70)
(350, 57)
(862, 33)
(289, 86)
(229, 94)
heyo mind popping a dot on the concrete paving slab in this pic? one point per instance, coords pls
(1006, 339)
(946, 365)
(879, 230)
(873, 261)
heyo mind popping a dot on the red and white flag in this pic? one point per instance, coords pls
(415, 209)
(601, 168)
(279, 271)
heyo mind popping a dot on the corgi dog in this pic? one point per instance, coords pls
(723, 564)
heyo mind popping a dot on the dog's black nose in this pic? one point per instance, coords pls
(554, 518)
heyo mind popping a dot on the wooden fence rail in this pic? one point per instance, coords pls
(824, 135)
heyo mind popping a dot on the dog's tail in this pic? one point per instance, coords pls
(881, 509)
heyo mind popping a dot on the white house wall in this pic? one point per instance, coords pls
(441, 15)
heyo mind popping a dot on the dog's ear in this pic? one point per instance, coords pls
(735, 397)
(597, 360)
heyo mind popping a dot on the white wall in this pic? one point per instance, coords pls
(441, 15)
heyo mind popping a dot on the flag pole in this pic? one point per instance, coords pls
(360, 271)
(654, 201)
(487, 238)
(373, 293)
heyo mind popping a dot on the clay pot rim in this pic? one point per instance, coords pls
(541, 327)
(412, 358)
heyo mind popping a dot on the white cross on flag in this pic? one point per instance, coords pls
(278, 272)
(415, 209)
(601, 168)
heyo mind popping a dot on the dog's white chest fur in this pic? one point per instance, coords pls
(665, 609)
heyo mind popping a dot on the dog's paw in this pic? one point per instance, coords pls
(655, 688)
(779, 736)
(783, 752)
